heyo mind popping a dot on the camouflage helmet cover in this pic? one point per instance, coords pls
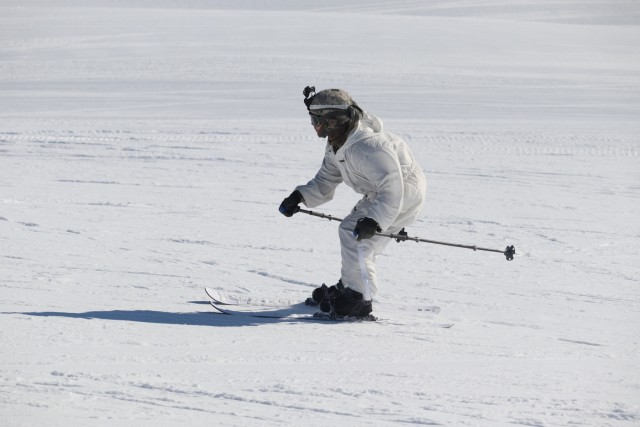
(330, 99)
(334, 107)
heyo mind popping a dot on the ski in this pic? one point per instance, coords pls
(429, 308)
(326, 316)
(216, 296)
(219, 298)
(303, 311)
(295, 312)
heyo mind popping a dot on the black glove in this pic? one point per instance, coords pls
(366, 228)
(289, 206)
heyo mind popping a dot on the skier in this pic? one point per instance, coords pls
(374, 163)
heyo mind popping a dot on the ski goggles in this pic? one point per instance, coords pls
(317, 118)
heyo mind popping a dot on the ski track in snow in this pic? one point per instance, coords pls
(140, 162)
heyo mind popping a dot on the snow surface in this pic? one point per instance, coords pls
(145, 147)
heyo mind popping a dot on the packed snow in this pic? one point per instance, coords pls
(145, 147)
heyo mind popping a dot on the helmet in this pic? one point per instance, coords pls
(330, 99)
(331, 107)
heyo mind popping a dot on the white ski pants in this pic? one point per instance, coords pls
(358, 257)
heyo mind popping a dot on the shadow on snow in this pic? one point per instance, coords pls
(207, 318)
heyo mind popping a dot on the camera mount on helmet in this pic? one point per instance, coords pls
(309, 93)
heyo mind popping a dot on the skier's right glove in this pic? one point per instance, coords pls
(366, 228)
(289, 206)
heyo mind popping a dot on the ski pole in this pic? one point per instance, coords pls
(509, 252)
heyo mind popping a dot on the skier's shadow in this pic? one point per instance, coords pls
(207, 318)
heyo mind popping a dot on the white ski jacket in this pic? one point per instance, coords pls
(378, 165)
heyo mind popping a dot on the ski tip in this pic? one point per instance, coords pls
(215, 295)
(218, 309)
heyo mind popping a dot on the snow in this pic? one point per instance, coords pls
(145, 147)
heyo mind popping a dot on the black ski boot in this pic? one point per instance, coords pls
(351, 303)
(323, 296)
(340, 301)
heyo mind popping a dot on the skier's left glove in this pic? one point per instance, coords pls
(366, 228)
(289, 206)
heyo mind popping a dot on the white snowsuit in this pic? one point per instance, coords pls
(380, 166)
